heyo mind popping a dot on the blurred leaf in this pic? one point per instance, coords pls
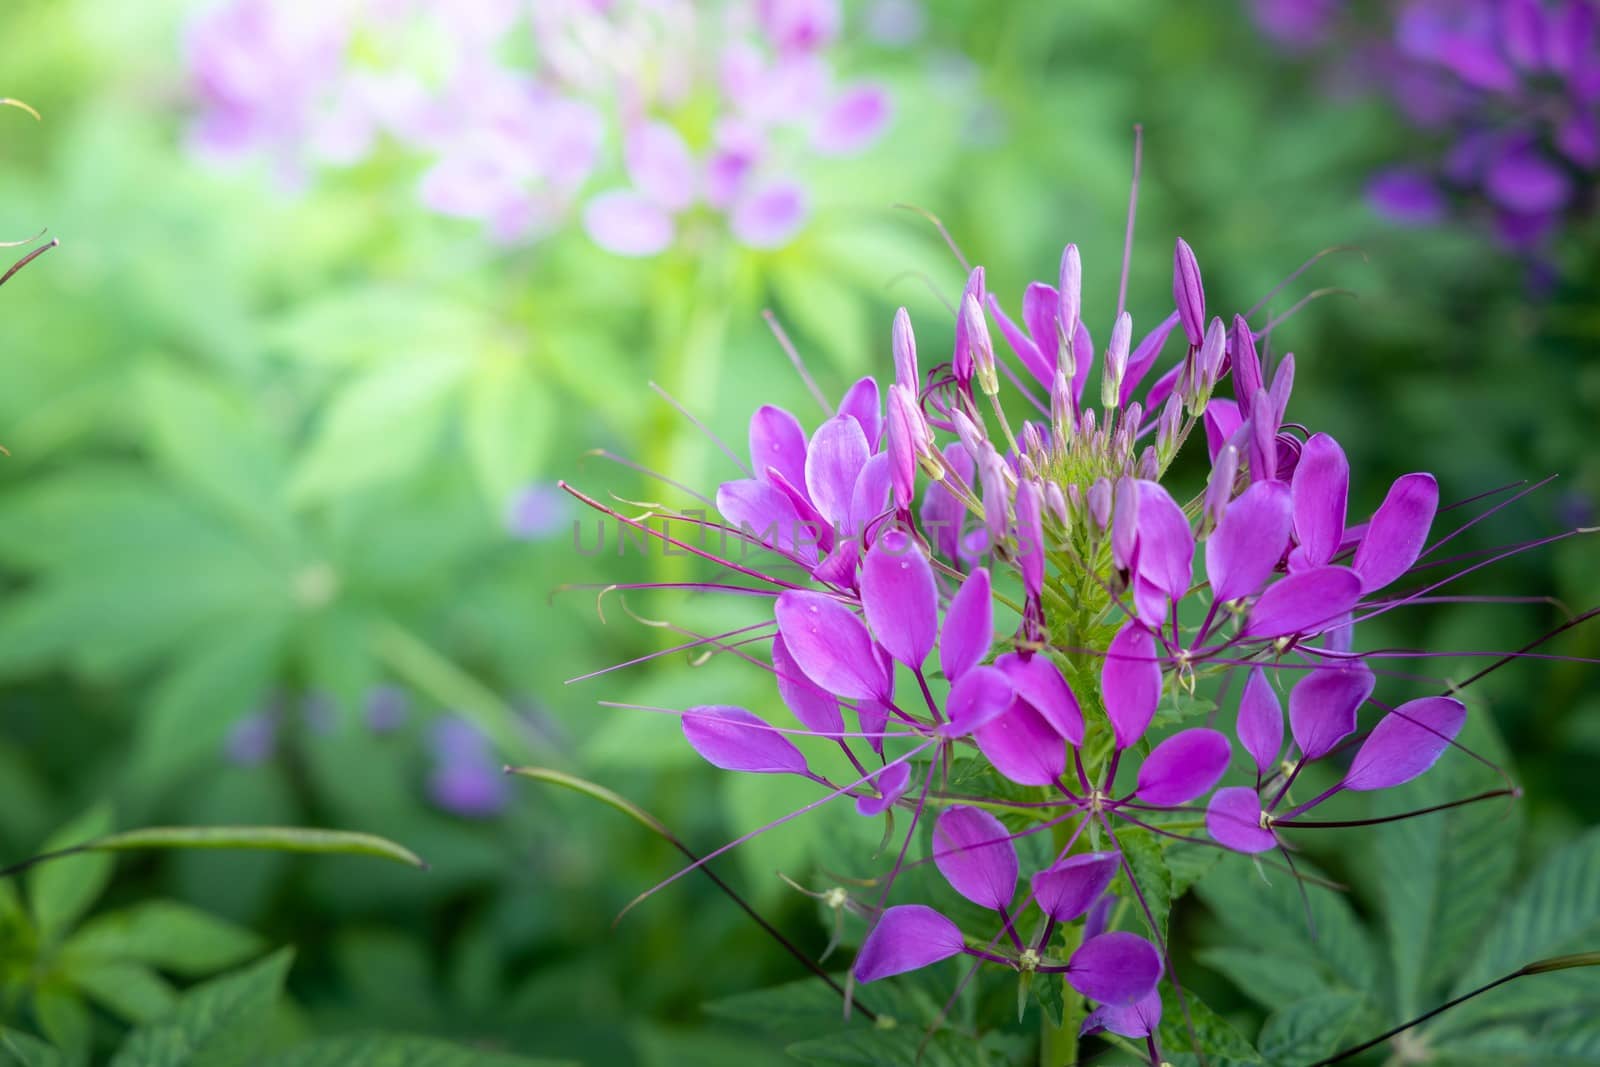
(510, 418)
(60, 894)
(379, 427)
(65, 1020)
(216, 1024)
(130, 991)
(167, 935)
(821, 314)
(1308, 1030)
(1263, 977)
(388, 1050)
(21, 1050)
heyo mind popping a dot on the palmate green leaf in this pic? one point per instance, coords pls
(1441, 878)
(18, 1049)
(1311, 1029)
(1271, 915)
(392, 1050)
(1264, 977)
(1557, 910)
(65, 1020)
(164, 934)
(60, 895)
(219, 1023)
(900, 1048)
(1192, 1023)
(131, 991)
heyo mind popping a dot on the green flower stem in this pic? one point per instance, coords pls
(417, 663)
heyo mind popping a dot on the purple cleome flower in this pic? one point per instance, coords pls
(1509, 90)
(1029, 619)
(592, 127)
(465, 778)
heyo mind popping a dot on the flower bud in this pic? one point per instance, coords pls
(1206, 365)
(910, 443)
(1116, 361)
(1188, 293)
(1125, 523)
(1056, 503)
(1219, 487)
(1070, 293)
(1149, 467)
(1099, 503)
(1282, 386)
(961, 361)
(1263, 437)
(992, 477)
(905, 351)
(1032, 440)
(1030, 538)
(1061, 406)
(980, 348)
(1246, 365)
(1167, 427)
(974, 436)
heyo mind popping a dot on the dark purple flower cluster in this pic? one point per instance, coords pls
(1508, 92)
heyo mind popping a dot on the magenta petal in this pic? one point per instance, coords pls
(765, 513)
(1038, 682)
(1139, 1019)
(627, 224)
(1260, 725)
(862, 403)
(1406, 742)
(906, 938)
(1022, 746)
(1115, 968)
(873, 715)
(1166, 542)
(831, 645)
(1028, 353)
(1183, 767)
(837, 453)
(1304, 603)
(870, 498)
(1398, 531)
(1321, 487)
(978, 697)
(661, 165)
(1131, 683)
(890, 782)
(900, 598)
(1249, 541)
(1145, 355)
(735, 740)
(777, 441)
(1233, 818)
(1067, 889)
(815, 707)
(974, 852)
(968, 626)
(1323, 705)
(1222, 419)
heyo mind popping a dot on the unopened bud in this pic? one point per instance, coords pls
(979, 346)
(1246, 364)
(1099, 496)
(992, 476)
(1056, 503)
(1116, 361)
(1061, 406)
(1070, 292)
(1167, 427)
(1188, 293)
(905, 351)
(1219, 488)
(961, 361)
(1125, 523)
(974, 437)
(1149, 467)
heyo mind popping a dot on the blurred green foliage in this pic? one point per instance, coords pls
(263, 447)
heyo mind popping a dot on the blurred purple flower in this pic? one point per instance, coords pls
(1510, 88)
(536, 512)
(253, 740)
(465, 778)
(387, 707)
(587, 129)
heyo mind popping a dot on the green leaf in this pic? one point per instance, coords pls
(262, 838)
(216, 1024)
(509, 420)
(1440, 879)
(1311, 1029)
(166, 935)
(1143, 853)
(821, 314)
(1191, 1024)
(1272, 916)
(379, 428)
(1048, 990)
(65, 1020)
(130, 991)
(18, 1049)
(390, 1050)
(59, 895)
(1263, 977)
(1558, 910)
